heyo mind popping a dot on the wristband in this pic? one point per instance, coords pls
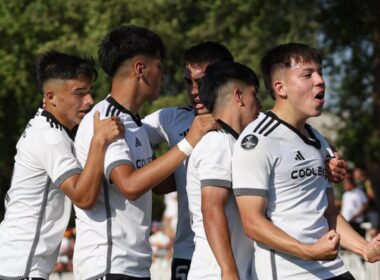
(185, 147)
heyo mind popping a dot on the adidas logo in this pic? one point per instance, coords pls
(137, 143)
(299, 156)
(183, 133)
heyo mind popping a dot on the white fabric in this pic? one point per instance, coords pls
(170, 125)
(210, 165)
(36, 209)
(353, 202)
(272, 160)
(171, 209)
(128, 221)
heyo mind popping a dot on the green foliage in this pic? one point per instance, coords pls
(351, 44)
(347, 29)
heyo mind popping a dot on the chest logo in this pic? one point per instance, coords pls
(249, 142)
(137, 143)
(299, 156)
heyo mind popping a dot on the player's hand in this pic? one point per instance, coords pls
(336, 169)
(107, 130)
(200, 126)
(371, 252)
(326, 248)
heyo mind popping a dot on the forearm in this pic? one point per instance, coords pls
(265, 232)
(144, 179)
(219, 238)
(349, 238)
(86, 188)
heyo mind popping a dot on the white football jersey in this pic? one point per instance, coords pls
(113, 237)
(171, 125)
(210, 165)
(274, 160)
(37, 211)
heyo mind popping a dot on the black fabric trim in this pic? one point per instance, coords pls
(36, 236)
(67, 174)
(54, 122)
(136, 118)
(216, 183)
(250, 192)
(273, 264)
(260, 124)
(115, 164)
(313, 141)
(109, 233)
(228, 129)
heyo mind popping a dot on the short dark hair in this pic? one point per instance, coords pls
(218, 74)
(281, 56)
(207, 52)
(57, 65)
(125, 42)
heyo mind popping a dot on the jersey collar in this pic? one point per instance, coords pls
(136, 118)
(52, 120)
(228, 129)
(313, 141)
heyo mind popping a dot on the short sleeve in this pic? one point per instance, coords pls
(251, 166)
(214, 161)
(118, 153)
(154, 125)
(55, 154)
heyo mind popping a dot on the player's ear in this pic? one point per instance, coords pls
(139, 67)
(237, 96)
(279, 87)
(49, 98)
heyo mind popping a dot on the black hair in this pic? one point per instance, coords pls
(207, 52)
(125, 42)
(218, 74)
(281, 56)
(57, 65)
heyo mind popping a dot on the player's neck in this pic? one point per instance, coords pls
(232, 120)
(125, 93)
(292, 118)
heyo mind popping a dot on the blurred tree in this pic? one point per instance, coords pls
(28, 28)
(350, 35)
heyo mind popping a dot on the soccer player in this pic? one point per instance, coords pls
(46, 172)
(112, 239)
(222, 250)
(279, 177)
(171, 125)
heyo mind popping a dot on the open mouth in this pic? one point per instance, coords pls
(320, 95)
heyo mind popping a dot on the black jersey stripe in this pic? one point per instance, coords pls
(266, 126)
(108, 110)
(272, 129)
(260, 124)
(136, 118)
(113, 112)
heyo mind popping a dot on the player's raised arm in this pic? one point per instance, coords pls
(133, 183)
(84, 188)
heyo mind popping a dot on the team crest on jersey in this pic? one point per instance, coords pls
(249, 142)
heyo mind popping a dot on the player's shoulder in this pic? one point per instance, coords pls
(266, 125)
(44, 129)
(215, 140)
(262, 130)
